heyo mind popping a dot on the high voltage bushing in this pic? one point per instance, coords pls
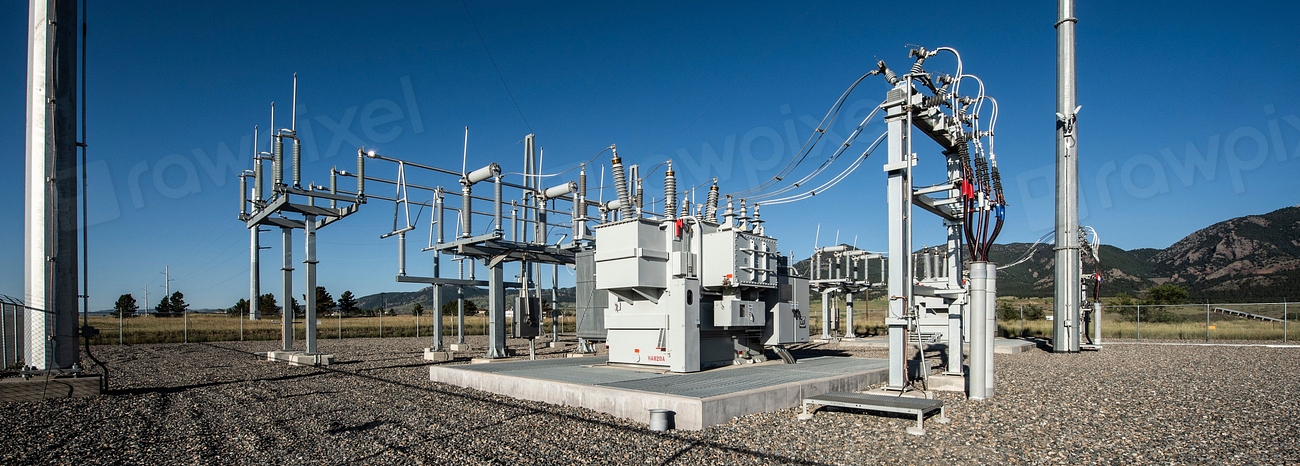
(711, 203)
(620, 186)
(670, 192)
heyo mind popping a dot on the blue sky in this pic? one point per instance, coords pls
(175, 89)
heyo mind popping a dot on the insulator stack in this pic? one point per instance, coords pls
(257, 178)
(620, 187)
(297, 162)
(277, 162)
(711, 203)
(670, 192)
(361, 173)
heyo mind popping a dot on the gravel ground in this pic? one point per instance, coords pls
(220, 403)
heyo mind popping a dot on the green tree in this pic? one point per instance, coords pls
(239, 309)
(125, 306)
(324, 302)
(177, 303)
(1008, 312)
(1167, 293)
(267, 305)
(449, 308)
(164, 308)
(348, 304)
(297, 308)
(417, 310)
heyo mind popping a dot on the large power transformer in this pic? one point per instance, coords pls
(690, 293)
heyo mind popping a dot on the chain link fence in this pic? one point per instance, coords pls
(13, 316)
(1204, 322)
(197, 327)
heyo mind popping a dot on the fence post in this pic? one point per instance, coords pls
(4, 335)
(1283, 320)
(1207, 321)
(340, 325)
(119, 326)
(185, 315)
(1139, 321)
(1022, 320)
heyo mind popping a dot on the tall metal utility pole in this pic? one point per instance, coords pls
(50, 213)
(1068, 294)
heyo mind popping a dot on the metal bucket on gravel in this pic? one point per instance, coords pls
(661, 419)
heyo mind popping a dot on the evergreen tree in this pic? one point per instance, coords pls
(324, 302)
(348, 304)
(164, 308)
(177, 303)
(125, 306)
(418, 310)
(449, 308)
(267, 306)
(240, 308)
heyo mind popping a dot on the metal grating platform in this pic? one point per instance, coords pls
(699, 399)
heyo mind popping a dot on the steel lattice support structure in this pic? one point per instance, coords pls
(291, 206)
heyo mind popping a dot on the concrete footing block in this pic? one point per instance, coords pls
(300, 358)
(947, 383)
(437, 356)
(580, 355)
(459, 347)
(557, 344)
(304, 359)
(281, 355)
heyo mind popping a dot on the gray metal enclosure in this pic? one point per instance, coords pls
(591, 303)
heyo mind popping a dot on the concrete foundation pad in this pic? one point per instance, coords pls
(580, 355)
(437, 356)
(40, 388)
(947, 383)
(459, 347)
(699, 399)
(300, 358)
(304, 359)
(483, 360)
(557, 344)
(281, 355)
(1000, 345)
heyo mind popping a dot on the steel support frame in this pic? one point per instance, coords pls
(899, 195)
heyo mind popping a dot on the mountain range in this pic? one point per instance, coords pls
(1250, 258)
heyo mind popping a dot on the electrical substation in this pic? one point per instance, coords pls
(690, 296)
(693, 298)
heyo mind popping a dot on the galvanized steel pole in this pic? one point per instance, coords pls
(1065, 326)
(309, 222)
(50, 214)
(286, 234)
